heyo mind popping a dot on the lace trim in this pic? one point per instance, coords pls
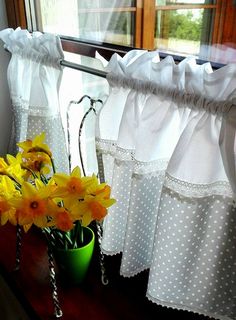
(110, 147)
(155, 168)
(21, 106)
(187, 189)
(110, 253)
(186, 308)
(132, 274)
(141, 168)
(104, 146)
(194, 101)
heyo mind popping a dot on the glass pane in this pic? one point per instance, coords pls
(97, 20)
(183, 31)
(108, 27)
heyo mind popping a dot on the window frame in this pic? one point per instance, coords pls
(223, 30)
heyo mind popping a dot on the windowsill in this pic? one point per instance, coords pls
(123, 298)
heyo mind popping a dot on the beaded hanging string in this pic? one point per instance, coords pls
(93, 103)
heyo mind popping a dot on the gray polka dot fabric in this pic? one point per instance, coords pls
(194, 255)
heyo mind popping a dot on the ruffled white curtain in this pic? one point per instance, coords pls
(34, 75)
(166, 142)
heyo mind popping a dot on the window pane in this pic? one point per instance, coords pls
(97, 20)
(108, 27)
(183, 31)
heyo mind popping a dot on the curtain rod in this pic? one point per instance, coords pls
(103, 74)
(80, 67)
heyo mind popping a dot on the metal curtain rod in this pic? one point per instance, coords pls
(103, 74)
(80, 67)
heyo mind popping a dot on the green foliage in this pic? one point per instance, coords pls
(184, 26)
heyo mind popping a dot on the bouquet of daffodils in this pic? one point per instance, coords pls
(32, 193)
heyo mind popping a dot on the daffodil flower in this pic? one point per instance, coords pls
(35, 145)
(37, 162)
(7, 191)
(72, 186)
(7, 212)
(32, 205)
(62, 219)
(91, 208)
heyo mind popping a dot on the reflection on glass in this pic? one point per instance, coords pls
(113, 27)
(98, 20)
(183, 31)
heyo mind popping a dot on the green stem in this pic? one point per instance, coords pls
(53, 165)
(78, 235)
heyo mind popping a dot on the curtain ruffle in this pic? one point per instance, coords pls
(41, 48)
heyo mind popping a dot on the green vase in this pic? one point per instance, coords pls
(73, 264)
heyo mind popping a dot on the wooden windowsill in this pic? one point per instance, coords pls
(123, 298)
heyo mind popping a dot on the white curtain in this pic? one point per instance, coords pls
(34, 75)
(166, 141)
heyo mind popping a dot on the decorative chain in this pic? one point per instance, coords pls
(93, 102)
(18, 247)
(91, 108)
(104, 278)
(57, 310)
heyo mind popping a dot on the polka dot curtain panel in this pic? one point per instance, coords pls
(34, 75)
(166, 143)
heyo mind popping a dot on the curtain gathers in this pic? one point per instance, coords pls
(166, 141)
(34, 75)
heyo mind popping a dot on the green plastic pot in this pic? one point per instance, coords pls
(73, 264)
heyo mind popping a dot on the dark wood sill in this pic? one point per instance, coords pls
(123, 298)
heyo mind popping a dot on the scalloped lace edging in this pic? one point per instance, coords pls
(133, 274)
(186, 308)
(21, 106)
(187, 189)
(110, 253)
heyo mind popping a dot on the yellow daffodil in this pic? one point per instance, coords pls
(13, 168)
(3, 166)
(31, 206)
(7, 212)
(92, 208)
(61, 217)
(7, 191)
(37, 162)
(35, 145)
(72, 186)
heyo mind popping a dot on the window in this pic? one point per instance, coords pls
(204, 28)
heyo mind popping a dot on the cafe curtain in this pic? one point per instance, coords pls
(34, 75)
(165, 141)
